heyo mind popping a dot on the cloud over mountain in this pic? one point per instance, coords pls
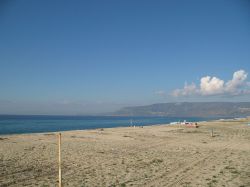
(215, 86)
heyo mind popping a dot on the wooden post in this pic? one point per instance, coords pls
(212, 132)
(59, 161)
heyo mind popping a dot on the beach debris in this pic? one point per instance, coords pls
(49, 134)
(101, 152)
(127, 136)
(3, 138)
(29, 148)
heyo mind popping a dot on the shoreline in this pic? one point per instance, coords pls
(168, 124)
(165, 124)
(156, 124)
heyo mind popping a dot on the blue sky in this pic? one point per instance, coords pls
(84, 57)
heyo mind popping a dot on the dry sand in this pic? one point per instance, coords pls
(150, 156)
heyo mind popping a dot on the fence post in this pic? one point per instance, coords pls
(59, 161)
(212, 132)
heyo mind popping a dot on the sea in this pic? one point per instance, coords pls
(20, 124)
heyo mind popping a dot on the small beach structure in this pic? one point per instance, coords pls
(190, 124)
(186, 124)
(194, 125)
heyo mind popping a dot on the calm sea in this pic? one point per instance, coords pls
(10, 124)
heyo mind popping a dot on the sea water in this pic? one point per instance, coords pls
(13, 124)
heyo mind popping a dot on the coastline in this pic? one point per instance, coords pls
(55, 129)
(157, 155)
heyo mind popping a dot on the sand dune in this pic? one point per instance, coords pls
(150, 156)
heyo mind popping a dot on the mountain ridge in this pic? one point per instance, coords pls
(189, 109)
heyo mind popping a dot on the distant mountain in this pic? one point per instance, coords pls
(189, 109)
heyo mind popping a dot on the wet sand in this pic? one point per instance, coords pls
(150, 156)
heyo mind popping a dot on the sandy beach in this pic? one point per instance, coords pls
(151, 156)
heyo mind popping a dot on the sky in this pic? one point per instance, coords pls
(92, 57)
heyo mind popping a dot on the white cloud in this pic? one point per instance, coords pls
(211, 85)
(215, 86)
(234, 85)
(187, 90)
